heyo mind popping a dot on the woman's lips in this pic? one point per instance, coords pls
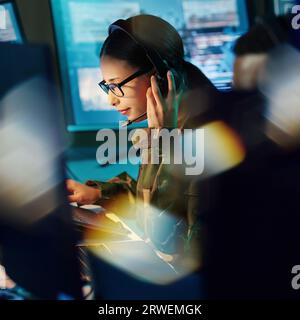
(124, 111)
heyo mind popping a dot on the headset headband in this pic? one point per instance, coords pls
(154, 57)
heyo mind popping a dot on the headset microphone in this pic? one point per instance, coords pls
(129, 122)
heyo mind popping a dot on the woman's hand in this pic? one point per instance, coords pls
(162, 112)
(81, 193)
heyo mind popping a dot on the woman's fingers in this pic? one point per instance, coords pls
(172, 100)
(162, 111)
(81, 193)
(155, 89)
(171, 84)
(151, 110)
(74, 198)
(160, 103)
(157, 93)
(71, 185)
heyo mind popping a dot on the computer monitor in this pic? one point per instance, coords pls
(10, 30)
(208, 28)
(37, 238)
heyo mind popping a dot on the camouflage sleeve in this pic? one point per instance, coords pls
(118, 193)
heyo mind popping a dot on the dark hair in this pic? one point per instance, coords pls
(151, 31)
(264, 36)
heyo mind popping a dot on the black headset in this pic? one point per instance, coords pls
(160, 65)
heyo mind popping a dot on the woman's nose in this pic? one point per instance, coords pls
(113, 99)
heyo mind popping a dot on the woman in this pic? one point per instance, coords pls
(184, 102)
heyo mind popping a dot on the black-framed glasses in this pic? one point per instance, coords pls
(115, 88)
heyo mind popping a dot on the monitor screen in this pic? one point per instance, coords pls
(208, 29)
(9, 26)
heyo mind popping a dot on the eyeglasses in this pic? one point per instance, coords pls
(115, 88)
